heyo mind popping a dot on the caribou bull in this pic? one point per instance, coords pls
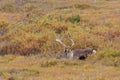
(79, 54)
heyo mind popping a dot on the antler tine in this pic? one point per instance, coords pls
(72, 42)
(59, 40)
(69, 37)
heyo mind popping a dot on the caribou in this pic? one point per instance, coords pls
(78, 54)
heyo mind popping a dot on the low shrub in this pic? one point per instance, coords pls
(28, 7)
(82, 6)
(74, 19)
(48, 63)
(3, 27)
(10, 7)
(110, 53)
(111, 61)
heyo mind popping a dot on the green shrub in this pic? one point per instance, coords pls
(29, 72)
(48, 63)
(83, 6)
(28, 7)
(111, 61)
(3, 27)
(3, 23)
(74, 19)
(110, 53)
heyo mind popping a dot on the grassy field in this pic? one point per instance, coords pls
(36, 68)
(30, 27)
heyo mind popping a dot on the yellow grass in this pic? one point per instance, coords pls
(36, 68)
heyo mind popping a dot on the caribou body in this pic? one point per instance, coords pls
(74, 54)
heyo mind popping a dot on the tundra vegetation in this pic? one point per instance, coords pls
(28, 29)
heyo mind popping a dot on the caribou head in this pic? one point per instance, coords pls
(74, 54)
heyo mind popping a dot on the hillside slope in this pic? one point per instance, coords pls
(30, 27)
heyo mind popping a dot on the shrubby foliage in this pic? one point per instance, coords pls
(30, 27)
(37, 29)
